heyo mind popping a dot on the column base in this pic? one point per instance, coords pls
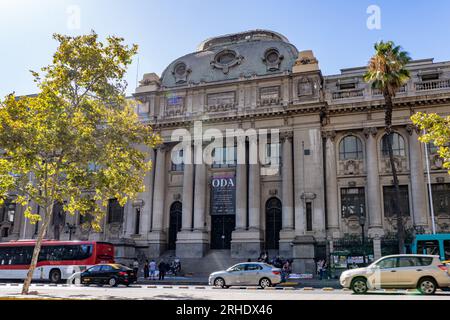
(192, 244)
(377, 249)
(246, 244)
(157, 243)
(333, 233)
(303, 254)
(124, 251)
(285, 244)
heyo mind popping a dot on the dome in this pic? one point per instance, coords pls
(245, 54)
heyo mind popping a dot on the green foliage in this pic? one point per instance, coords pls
(386, 69)
(76, 142)
(437, 131)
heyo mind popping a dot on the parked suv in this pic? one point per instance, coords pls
(407, 271)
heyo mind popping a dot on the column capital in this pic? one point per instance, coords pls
(371, 131)
(331, 134)
(286, 136)
(163, 147)
(410, 128)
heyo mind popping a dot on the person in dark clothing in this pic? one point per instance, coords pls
(162, 267)
(146, 270)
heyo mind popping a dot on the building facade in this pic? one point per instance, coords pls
(331, 155)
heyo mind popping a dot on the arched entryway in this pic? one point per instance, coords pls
(174, 223)
(273, 223)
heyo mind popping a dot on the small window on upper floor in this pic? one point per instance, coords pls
(430, 76)
(347, 86)
(178, 160)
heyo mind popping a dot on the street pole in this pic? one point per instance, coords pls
(429, 188)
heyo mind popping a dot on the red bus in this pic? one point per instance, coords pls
(57, 259)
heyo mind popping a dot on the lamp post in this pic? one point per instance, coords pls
(362, 222)
(70, 229)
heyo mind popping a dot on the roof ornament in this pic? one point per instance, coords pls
(226, 59)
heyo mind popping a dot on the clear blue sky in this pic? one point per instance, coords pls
(164, 30)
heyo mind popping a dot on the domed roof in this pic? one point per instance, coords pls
(245, 54)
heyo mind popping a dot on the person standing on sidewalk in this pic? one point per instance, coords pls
(152, 267)
(162, 267)
(136, 267)
(146, 270)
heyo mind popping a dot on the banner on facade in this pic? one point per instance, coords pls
(223, 195)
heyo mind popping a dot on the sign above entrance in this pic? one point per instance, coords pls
(223, 195)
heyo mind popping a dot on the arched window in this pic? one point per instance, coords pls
(350, 148)
(398, 145)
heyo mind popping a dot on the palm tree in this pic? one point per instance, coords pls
(387, 73)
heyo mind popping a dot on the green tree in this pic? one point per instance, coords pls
(387, 73)
(79, 140)
(436, 129)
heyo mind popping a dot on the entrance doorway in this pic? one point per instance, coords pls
(273, 223)
(221, 228)
(174, 223)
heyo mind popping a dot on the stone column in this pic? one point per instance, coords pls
(241, 188)
(373, 183)
(200, 197)
(287, 233)
(254, 197)
(288, 186)
(147, 197)
(331, 183)
(156, 236)
(418, 188)
(188, 186)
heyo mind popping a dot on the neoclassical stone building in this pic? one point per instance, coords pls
(331, 151)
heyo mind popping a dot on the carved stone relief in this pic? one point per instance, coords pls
(269, 95)
(221, 101)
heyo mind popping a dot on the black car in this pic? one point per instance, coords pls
(112, 274)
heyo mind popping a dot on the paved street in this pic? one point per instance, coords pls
(45, 291)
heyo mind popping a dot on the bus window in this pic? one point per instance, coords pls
(428, 247)
(447, 249)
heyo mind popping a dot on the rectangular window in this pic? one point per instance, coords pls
(347, 86)
(309, 216)
(428, 247)
(137, 221)
(273, 157)
(353, 202)
(115, 211)
(178, 161)
(447, 249)
(389, 200)
(224, 157)
(441, 198)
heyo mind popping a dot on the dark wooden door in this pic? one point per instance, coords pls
(221, 228)
(273, 223)
(174, 224)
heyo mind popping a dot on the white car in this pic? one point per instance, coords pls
(407, 271)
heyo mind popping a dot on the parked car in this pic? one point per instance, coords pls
(407, 271)
(250, 273)
(112, 274)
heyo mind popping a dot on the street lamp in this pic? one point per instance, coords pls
(362, 222)
(70, 229)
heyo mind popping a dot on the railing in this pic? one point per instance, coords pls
(348, 94)
(377, 92)
(432, 85)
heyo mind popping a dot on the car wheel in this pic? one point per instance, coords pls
(219, 282)
(55, 276)
(427, 286)
(112, 282)
(359, 286)
(265, 283)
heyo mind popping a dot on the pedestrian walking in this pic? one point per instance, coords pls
(136, 266)
(319, 268)
(152, 267)
(146, 270)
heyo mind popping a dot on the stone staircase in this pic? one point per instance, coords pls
(214, 260)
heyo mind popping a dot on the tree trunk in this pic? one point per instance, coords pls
(397, 206)
(37, 248)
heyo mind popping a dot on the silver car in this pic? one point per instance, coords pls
(249, 273)
(407, 271)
